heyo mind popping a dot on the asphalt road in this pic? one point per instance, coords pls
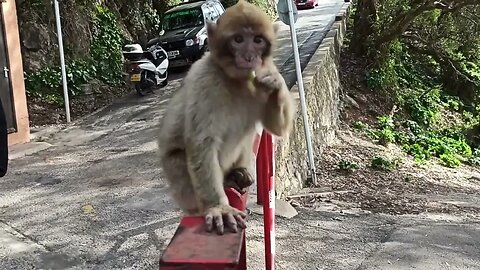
(96, 200)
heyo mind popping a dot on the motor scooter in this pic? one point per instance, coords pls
(148, 69)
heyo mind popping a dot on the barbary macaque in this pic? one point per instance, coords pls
(206, 137)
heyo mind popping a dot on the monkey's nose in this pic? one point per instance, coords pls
(249, 57)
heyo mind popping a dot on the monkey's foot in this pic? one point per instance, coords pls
(239, 179)
(222, 215)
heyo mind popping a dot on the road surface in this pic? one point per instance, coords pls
(96, 199)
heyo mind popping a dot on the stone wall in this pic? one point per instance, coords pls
(322, 88)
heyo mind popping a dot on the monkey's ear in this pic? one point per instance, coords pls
(276, 27)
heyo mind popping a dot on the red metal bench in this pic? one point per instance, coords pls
(193, 248)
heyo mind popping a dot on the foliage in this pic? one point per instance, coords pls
(449, 150)
(423, 38)
(152, 18)
(425, 138)
(475, 158)
(103, 64)
(366, 129)
(106, 48)
(268, 6)
(46, 83)
(426, 55)
(359, 125)
(385, 164)
(347, 165)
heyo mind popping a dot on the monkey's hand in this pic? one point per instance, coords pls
(234, 218)
(268, 80)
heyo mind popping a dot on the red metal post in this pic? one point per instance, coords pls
(261, 169)
(269, 200)
(259, 164)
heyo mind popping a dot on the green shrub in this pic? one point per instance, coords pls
(106, 47)
(385, 164)
(346, 165)
(359, 125)
(47, 85)
(386, 136)
(450, 160)
(104, 64)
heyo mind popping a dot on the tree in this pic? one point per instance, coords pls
(378, 23)
(363, 28)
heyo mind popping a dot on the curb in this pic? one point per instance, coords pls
(322, 88)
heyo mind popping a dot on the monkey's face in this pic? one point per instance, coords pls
(247, 49)
(242, 39)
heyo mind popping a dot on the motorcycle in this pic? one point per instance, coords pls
(146, 69)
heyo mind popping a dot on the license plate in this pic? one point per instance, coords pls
(173, 54)
(135, 78)
(301, 4)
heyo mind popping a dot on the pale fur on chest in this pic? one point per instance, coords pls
(238, 124)
(240, 111)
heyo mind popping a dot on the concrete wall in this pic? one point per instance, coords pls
(12, 40)
(322, 87)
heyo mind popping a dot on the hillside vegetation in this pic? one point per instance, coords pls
(94, 33)
(419, 61)
(408, 142)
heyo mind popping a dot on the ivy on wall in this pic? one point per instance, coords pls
(103, 63)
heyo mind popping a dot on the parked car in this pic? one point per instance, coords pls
(306, 3)
(184, 32)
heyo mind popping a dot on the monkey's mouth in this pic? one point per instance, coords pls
(249, 64)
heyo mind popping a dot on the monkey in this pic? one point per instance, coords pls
(206, 136)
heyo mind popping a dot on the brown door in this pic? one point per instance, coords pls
(5, 86)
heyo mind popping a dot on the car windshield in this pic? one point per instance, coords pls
(182, 19)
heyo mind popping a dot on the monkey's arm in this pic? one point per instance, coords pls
(280, 106)
(205, 172)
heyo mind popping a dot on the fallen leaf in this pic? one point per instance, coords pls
(88, 209)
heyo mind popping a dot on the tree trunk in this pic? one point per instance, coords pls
(364, 20)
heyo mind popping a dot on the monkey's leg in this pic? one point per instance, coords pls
(176, 172)
(239, 179)
(208, 178)
(240, 176)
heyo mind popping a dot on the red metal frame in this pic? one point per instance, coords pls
(227, 252)
(266, 186)
(210, 251)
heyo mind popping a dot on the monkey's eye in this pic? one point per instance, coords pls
(238, 38)
(258, 39)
